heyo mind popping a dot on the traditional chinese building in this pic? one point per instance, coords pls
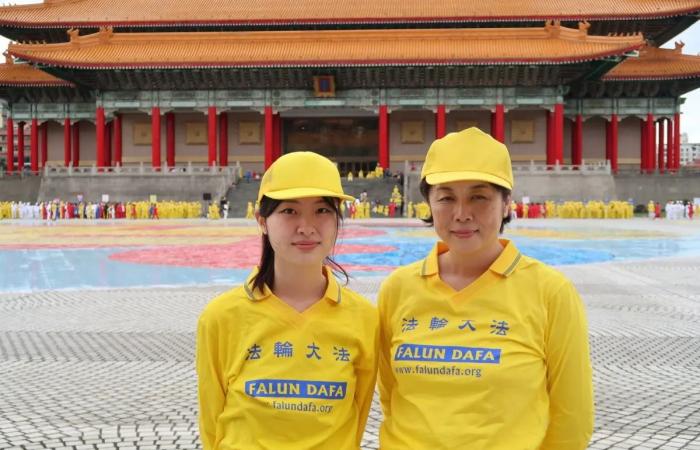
(170, 82)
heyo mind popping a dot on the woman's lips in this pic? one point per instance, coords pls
(306, 245)
(463, 234)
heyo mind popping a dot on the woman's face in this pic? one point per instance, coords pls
(468, 215)
(301, 231)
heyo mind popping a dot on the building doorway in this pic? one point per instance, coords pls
(349, 141)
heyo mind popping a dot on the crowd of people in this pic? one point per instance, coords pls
(59, 209)
(360, 208)
(674, 210)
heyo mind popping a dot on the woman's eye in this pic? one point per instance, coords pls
(287, 211)
(444, 199)
(479, 197)
(324, 210)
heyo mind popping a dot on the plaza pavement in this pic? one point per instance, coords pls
(113, 369)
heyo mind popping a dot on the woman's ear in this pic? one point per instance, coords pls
(261, 223)
(506, 206)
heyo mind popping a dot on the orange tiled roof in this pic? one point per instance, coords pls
(12, 74)
(551, 44)
(62, 13)
(657, 64)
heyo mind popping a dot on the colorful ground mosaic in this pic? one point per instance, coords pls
(127, 254)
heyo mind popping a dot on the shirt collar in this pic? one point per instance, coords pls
(333, 288)
(505, 264)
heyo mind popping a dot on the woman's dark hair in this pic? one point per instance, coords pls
(266, 272)
(425, 192)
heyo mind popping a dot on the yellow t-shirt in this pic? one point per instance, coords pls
(501, 365)
(273, 378)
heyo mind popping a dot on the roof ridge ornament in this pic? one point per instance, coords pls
(553, 27)
(583, 29)
(73, 34)
(105, 34)
(678, 47)
(9, 60)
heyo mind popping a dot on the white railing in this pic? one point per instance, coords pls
(141, 169)
(590, 168)
(532, 167)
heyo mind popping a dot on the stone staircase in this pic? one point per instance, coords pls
(240, 194)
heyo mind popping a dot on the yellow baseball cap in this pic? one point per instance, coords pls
(470, 155)
(302, 174)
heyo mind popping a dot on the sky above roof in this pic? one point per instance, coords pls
(691, 109)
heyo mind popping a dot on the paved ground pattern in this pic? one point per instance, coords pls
(113, 368)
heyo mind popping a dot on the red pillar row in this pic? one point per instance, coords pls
(223, 139)
(651, 124)
(100, 126)
(643, 143)
(117, 140)
(498, 131)
(20, 146)
(211, 138)
(108, 144)
(76, 144)
(66, 142)
(155, 137)
(440, 122)
(676, 141)
(383, 136)
(577, 141)
(170, 139)
(34, 146)
(660, 145)
(10, 145)
(269, 152)
(550, 138)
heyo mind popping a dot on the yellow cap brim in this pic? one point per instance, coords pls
(288, 194)
(448, 177)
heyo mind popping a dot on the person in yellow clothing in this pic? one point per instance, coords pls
(481, 347)
(288, 360)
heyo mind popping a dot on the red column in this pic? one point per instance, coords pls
(558, 149)
(440, 122)
(651, 123)
(383, 136)
(117, 140)
(170, 139)
(577, 141)
(44, 136)
(550, 138)
(269, 145)
(10, 145)
(76, 144)
(223, 139)
(20, 146)
(644, 142)
(211, 114)
(498, 132)
(660, 145)
(108, 144)
(100, 125)
(676, 141)
(155, 137)
(613, 143)
(669, 145)
(34, 146)
(650, 147)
